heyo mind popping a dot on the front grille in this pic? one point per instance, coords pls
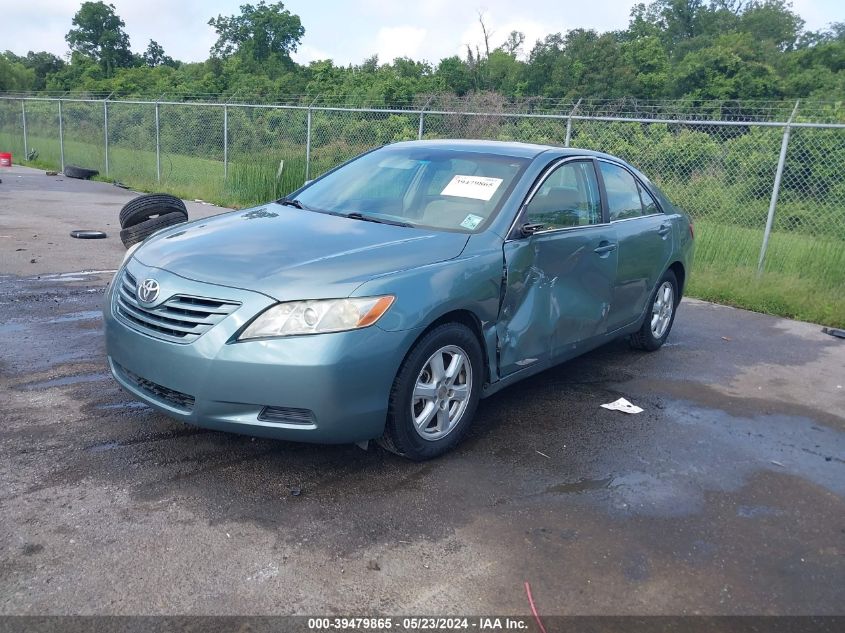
(180, 319)
(158, 392)
(287, 415)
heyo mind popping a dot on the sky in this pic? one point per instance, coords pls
(343, 30)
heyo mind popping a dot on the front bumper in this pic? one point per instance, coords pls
(337, 385)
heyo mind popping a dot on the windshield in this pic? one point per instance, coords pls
(434, 188)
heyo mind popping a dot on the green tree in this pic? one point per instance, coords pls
(14, 75)
(155, 56)
(98, 33)
(650, 66)
(513, 45)
(41, 64)
(772, 21)
(505, 73)
(259, 32)
(454, 75)
(732, 67)
(541, 62)
(689, 49)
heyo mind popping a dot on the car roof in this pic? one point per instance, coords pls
(502, 148)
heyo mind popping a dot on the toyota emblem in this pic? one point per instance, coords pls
(148, 290)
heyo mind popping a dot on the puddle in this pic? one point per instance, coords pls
(67, 380)
(582, 485)
(88, 315)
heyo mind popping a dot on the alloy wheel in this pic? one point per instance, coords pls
(661, 311)
(441, 393)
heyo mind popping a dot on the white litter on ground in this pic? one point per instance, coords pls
(622, 405)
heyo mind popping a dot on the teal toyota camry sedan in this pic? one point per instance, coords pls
(385, 298)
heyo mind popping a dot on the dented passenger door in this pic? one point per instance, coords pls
(559, 270)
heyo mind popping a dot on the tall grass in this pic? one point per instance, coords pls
(804, 276)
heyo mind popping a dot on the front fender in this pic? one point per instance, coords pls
(472, 283)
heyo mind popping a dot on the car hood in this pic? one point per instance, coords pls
(288, 253)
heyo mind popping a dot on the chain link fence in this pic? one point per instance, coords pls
(730, 165)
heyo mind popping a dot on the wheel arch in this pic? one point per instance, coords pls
(680, 274)
(467, 318)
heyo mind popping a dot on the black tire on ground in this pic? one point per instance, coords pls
(142, 231)
(144, 207)
(400, 435)
(86, 234)
(72, 171)
(645, 339)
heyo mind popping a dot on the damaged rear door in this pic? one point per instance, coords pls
(560, 269)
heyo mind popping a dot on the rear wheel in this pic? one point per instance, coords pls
(435, 394)
(660, 317)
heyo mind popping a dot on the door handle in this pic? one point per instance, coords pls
(664, 229)
(604, 248)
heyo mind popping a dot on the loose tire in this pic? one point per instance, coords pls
(659, 318)
(86, 234)
(435, 394)
(72, 171)
(142, 231)
(144, 207)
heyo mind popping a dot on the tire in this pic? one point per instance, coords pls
(650, 337)
(142, 231)
(144, 207)
(401, 434)
(85, 234)
(72, 171)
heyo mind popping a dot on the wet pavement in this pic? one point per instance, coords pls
(725, 496)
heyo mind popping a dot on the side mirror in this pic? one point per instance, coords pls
(528, 229)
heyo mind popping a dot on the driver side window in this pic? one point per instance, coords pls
(568, 197)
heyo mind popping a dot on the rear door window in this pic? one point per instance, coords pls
(623, 192)
(649, 205)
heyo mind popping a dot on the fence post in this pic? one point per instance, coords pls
(308, 147)
(61, 136)
(23, 117)
(770, 219)
(158, 148)
(225, 142)
(569, 125)
(422, 119)
(106, 132)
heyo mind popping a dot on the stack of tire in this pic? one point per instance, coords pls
(144, 215)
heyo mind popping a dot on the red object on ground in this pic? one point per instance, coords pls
(5, 159)
(533, 608)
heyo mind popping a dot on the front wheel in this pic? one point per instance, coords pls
(661, 315)
(435, 394)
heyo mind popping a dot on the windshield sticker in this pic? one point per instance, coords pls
(477, 187)
(472, 221)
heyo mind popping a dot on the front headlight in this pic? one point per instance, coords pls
(317, 316)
